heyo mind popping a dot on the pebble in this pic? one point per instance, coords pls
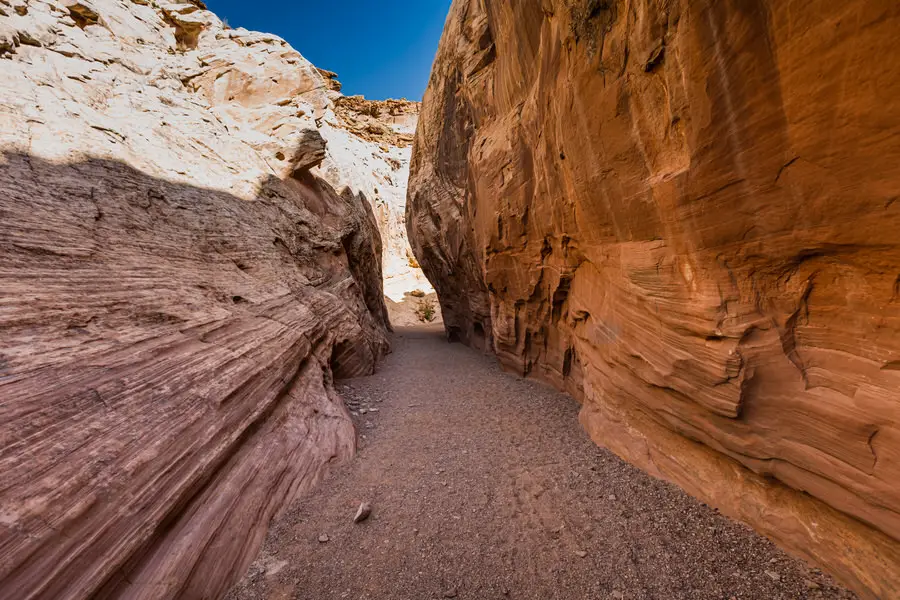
(581, 553)
(363, 512)
(618, 595)
(323, 538)
(773, 575)
(612, 497)
(811, 585)
(450, 593)
(363, 411)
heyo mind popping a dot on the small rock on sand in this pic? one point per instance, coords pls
(363, 512)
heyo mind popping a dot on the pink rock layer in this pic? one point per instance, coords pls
(165, 386)
(685, 213)
(178, 287)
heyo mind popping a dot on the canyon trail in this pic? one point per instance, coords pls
(681, 213)
(484, 485)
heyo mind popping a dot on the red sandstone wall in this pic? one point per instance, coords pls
(685, 213)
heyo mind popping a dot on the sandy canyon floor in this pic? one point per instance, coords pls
(484, 485)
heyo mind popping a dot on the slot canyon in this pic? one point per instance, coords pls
(613, 312)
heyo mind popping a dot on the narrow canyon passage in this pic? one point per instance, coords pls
(484, 485)
(682, 212)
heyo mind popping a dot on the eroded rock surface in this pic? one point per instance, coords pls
(371, 142)
(684, 213)
(178, 286)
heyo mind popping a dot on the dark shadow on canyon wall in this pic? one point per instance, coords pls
(165, 370)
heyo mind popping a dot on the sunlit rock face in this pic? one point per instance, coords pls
(685, 213)
(371, 144)
(178, 287)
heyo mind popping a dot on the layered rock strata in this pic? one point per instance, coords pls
(178, 287)
(685, 213)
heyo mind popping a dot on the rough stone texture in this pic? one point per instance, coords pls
(178, 286)
(370, 143)
(388, 122)
(514, 504)
(685, 213)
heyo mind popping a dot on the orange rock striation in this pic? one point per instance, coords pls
(685, 213)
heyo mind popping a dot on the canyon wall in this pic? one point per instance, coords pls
(180, 281)
(371, 142)
(685, 212)
(370, 145)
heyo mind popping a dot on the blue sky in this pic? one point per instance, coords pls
(379, 48)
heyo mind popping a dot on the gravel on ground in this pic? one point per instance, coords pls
(483, 485)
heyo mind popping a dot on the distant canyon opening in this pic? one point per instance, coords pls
(373, 155)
